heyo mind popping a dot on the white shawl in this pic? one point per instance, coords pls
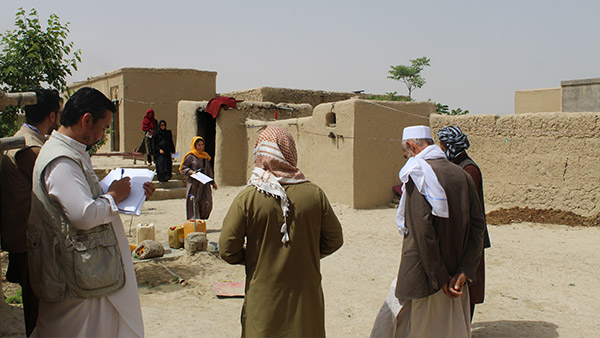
(426, 182)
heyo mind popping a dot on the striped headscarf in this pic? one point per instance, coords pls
(456, 142)
(275, 160)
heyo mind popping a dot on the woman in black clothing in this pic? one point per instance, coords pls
(163, 148)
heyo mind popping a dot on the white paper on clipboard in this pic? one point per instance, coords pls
(132, 205)
(198, 176)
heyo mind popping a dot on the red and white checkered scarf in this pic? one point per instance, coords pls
(275, 160)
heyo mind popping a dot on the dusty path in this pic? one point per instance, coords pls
(541, 280)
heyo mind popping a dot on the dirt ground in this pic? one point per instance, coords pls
(542, 279)
(544, 216)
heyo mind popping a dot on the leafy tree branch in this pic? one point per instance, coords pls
(34, 57)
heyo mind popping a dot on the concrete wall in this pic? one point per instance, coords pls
(277, 95)
(581, 95)
(138, 89)
(538, 100)
(355, 160)
(542, 160)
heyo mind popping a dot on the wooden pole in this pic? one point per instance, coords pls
(17, 99)
(13, 142)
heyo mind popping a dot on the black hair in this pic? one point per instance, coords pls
(86, 100)
(48, 101)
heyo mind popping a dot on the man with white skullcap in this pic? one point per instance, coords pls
(442, 221)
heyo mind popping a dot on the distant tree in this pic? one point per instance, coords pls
(33, 57)
(443, 109)
(410, 75)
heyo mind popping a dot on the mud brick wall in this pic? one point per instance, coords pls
(539, 160)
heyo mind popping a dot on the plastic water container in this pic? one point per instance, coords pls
(144, 231)
(189, 227)
(176, 236)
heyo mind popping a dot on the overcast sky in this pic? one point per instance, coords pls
(481, 51)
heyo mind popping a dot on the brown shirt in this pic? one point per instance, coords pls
(436, 248)
(15, 196)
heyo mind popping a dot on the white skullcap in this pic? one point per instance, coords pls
(415, 132)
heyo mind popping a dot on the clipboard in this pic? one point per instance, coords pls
(132, 205)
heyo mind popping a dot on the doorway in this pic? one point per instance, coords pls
(206, 127)
(114, 136)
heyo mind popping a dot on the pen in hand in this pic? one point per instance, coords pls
(122, 173)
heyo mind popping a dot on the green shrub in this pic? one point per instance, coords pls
(17, 298)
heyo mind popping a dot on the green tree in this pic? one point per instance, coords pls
(34, 57)
(410, 75)
(443, 109)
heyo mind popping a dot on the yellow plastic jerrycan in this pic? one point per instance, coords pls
(176, 236)
(188, 227)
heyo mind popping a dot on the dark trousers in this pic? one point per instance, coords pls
(18, 272)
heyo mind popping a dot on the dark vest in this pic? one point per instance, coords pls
(463, 160)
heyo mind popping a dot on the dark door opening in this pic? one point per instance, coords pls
(115, 136)
(206, 127)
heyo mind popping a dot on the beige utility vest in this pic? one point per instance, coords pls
(62, 258)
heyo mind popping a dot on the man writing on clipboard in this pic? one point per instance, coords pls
(79, 255)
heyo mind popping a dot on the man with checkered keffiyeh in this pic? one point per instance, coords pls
(288, 226)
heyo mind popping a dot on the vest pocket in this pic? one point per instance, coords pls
(97, 260)
(46, 276)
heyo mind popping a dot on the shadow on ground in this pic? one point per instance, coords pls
(514, 328)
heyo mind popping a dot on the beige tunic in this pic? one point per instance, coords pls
(284, 297)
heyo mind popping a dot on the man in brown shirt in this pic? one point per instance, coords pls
(15, 197)
(442, 221)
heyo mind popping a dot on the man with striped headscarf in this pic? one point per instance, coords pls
(288, 226)
(455, 143)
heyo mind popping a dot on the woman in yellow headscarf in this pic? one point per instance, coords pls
(199, 196)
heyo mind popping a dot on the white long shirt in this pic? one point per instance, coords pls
(116, 315)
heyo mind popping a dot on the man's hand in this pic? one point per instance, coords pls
(148, 189)
(453, 288)
(120, 189)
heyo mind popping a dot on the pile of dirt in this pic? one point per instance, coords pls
(546, 216)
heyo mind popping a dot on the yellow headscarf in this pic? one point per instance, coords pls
(196, 152)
